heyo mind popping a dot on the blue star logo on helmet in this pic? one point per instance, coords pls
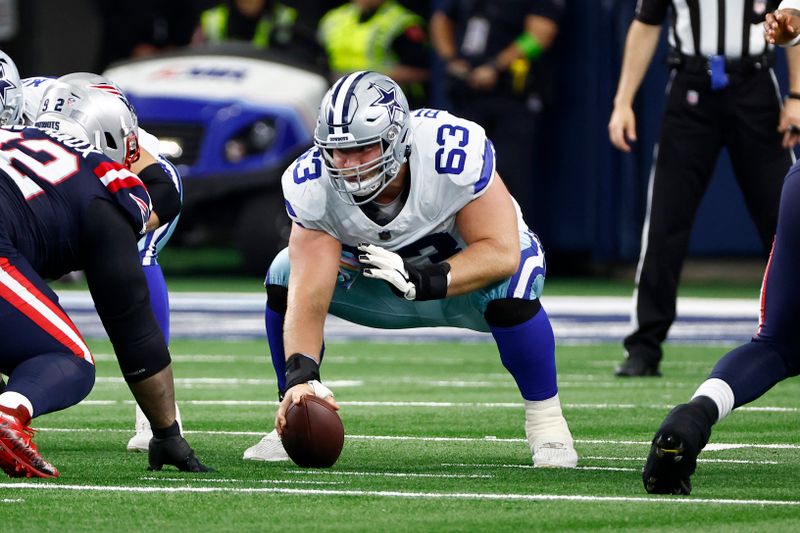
(388, 100)
(5, 84)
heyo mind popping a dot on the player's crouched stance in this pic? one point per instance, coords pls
(67, 204)
(401, 221)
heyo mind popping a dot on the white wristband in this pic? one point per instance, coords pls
(320, 390)
(793, 42)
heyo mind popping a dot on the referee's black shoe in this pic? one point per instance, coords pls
(634, 366)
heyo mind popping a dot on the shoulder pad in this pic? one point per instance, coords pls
(305, 188)
(454, 147)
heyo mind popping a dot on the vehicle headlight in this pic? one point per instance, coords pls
(170, 147)
(254, 139)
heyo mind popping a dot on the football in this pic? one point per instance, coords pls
(313, 435)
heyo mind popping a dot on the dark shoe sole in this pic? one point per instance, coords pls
(665, 470)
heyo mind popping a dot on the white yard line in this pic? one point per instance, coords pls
(458, 405)
(387, 474)
(487, 438)
(669, 500)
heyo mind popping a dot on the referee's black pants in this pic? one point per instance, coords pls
(697, 124)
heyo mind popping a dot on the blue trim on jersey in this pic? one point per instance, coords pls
(488, 167)
(527, 277)
(153, 242)
(289, 209)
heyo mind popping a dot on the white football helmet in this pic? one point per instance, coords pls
(360, 109)
(11, 97)
(90, 107)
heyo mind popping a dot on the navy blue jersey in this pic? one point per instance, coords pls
(47, 180)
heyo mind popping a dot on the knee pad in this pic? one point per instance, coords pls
(509, 312)
(277, 296)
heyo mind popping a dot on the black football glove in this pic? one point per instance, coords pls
(174, 451)
(405, 280)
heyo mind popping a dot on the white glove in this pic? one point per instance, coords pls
(389, 267)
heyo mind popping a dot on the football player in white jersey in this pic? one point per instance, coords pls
(22, 101)
(400, 220)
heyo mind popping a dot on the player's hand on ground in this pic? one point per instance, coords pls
(790, 123)
(782, 26)
(293, 395)
(622, 127)
(174, 451)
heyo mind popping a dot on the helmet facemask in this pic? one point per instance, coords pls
(361, 110)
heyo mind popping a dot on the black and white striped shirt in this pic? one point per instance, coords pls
(732, 28)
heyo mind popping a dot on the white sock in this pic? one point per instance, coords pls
(720, 393)
(545, 419)
(12, 400)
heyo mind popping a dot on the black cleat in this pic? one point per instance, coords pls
(669, 466)
(637, 367)
(673, 456)
(174, 451)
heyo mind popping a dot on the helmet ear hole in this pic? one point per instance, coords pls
(110, 141)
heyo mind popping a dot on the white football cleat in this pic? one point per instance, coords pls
(269, 448)
(140, 442)
(548, 435)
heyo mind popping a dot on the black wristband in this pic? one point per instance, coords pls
(300, 368)
(430, 281)
(793, 96)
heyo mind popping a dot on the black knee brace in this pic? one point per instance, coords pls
(277, 295)
(509, 312)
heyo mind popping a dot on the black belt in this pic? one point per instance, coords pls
(742, 65)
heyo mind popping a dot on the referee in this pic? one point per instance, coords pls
(722, 93)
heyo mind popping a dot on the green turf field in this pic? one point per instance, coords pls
(434, 443)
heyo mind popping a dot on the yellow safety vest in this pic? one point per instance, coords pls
(214, 23)
(354, 45)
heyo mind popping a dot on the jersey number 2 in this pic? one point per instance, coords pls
(61, 166)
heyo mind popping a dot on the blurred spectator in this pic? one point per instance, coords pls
(266, 24)
(149, 26)
(493, 52)
(379, 35)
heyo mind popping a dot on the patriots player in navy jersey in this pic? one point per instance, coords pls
(21, 101)
(400, 220)
(67, 204)
(772, 355)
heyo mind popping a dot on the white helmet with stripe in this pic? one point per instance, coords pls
(91, 107)
(361, 109)
(11, 97)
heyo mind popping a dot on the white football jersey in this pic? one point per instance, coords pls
(451, 163)
(33, 91)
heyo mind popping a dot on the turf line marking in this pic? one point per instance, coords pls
(12, 500)
(487, 438)
(527, 466)
(490, 405)
(668, 500)
(699, 460)
(233, 381)
(387, 474)
(210, 480)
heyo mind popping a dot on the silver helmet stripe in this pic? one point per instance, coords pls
(340, 102)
